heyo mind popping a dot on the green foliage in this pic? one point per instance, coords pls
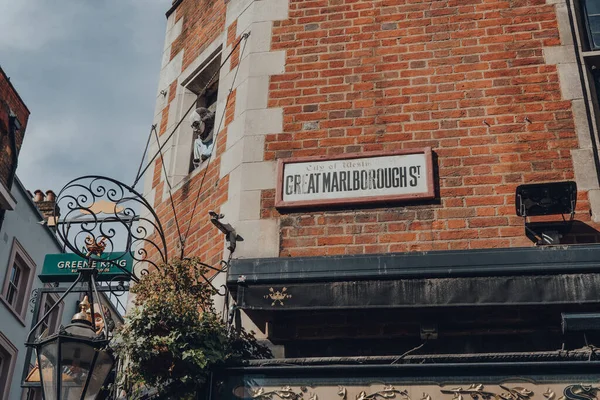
(173, 338)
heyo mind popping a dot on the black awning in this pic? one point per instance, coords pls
(520, 276)
(434, 292)
(486, 262)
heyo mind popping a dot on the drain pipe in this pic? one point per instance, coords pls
(13, 127)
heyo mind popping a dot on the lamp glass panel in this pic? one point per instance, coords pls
(102, 368)
(77, 358)
(48, 357)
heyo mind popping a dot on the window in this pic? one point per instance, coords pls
(18, 280)
(203, 118)
(13, 284)
(8, 358)
(584, 16)
(50, 324)
(591, 16)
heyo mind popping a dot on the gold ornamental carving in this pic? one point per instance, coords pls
(478, 392)
(388, 392)
(472, 392)
(95, 247)
(278, 296)
(285, 392)
(575, 392)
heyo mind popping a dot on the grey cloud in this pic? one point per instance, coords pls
(90, 84)
(30, 25)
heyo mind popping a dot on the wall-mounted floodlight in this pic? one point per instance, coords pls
(546, 199)
(543, 199)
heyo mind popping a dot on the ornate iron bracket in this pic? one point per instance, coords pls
(110, 213)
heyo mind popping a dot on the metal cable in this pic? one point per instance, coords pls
(244, 37)
(143, 156)
(187, 112)
(400, 357)
(162, 160)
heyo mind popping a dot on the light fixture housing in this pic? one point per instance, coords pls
(544, 199)
(540, 199)
(74, 363)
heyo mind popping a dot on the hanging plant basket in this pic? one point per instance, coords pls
(173, 338)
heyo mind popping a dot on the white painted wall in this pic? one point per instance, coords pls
(38, 240)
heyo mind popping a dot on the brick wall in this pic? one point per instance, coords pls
(203, 21)
(9, 101)
(465, 77)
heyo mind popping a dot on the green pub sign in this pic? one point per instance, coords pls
(63, 267)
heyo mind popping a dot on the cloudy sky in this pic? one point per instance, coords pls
(88, 72)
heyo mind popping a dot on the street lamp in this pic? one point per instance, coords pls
(75, 362)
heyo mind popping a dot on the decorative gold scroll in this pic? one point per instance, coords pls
(471, 392)
(477, 392)
(388, 392)
(285, 392)
(278, 296)
(575, 392)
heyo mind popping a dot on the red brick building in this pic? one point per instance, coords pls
(13, 120)
(500, 93)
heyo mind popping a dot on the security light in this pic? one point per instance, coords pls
(544, 199)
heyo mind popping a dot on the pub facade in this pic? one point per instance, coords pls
(410, 190)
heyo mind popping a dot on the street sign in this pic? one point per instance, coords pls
(63, 267)
(361, 178)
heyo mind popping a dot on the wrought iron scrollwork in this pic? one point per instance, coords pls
(117, 286)
(35, 297)
(108, 214)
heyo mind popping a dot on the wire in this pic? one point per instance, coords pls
(143, 155)
(401, 356)
(162, 160)
(244, 37)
